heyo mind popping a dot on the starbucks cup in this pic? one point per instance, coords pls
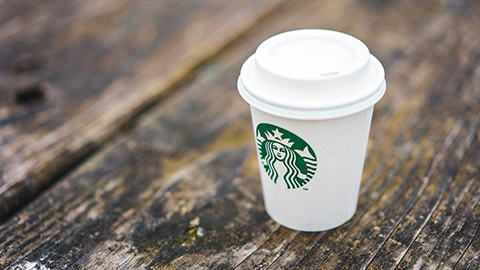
(311, 94)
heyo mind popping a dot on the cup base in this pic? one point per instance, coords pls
(312, 227)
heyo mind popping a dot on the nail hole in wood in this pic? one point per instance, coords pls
(30, 94)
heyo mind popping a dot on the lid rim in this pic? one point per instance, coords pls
(376, 86)
(309, 114)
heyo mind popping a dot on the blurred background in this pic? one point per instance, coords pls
(58, 58)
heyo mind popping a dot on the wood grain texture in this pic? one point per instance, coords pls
(72, 73)
(182, 190)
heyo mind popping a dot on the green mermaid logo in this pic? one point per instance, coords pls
(281, 150)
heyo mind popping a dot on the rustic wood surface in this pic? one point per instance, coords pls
(180, 188)
(73, 73)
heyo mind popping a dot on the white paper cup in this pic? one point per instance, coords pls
(311, 94)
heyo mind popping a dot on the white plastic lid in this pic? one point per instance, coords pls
(312, 74)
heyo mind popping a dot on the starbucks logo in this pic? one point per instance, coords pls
(284, 154)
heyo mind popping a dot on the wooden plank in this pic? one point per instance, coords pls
(470, 257)
(460, 233)
(387, 229)
(419, 223)
(183, 191)
(391, 149)
(75, 72)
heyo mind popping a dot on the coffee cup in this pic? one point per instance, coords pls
(311, 94)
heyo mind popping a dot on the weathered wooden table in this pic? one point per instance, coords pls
(124, 143)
